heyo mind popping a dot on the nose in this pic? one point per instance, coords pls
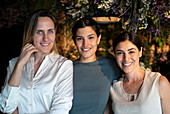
(126, 56)
(85, 43)
(45, 37)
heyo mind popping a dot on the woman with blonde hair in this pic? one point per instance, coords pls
(39, 80)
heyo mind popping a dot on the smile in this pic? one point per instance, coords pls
(127, 64)
(86, 49)
(44, 44)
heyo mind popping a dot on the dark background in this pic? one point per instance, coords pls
(11, 42)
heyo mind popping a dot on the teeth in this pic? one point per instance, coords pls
(44, 44)
(86, 49)
(127, 64)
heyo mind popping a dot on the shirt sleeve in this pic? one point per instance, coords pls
(9, 99)
(62, 98)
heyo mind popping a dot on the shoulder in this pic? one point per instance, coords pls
(105, 60)
(107, 64)
(109, 67)
(65, 62)
(14, 60)
(164, 83)
(116, 85)
(12, 63)
(64, 59)
(61, 59)
(164, 90)
(152, 75)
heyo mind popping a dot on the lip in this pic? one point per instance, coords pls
(45, 44)
(85, 49)
(127, 64)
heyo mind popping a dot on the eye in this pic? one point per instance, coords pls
(91, 37)
(79, 38)
(119, 53)
(131, 52)
(50, 31)
(40, 32)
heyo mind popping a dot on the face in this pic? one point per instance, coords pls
(44, 37)
(127, 56)
(86, 41)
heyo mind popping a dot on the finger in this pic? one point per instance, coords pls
(25, 54)
(33, 49)
(30, 49)
(28, 45)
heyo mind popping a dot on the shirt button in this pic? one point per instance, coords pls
(29, 87)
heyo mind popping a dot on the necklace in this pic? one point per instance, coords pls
(132, 90)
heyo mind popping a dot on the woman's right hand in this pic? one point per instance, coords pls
(26, 52)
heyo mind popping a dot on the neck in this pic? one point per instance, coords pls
(39, 57)
(87, 60)
(134, 76)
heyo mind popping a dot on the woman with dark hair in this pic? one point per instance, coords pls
(139, 91)
(92, 76)
(39, 80)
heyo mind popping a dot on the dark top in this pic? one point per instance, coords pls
(91, 85)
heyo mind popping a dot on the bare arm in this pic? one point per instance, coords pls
(108, 109)
(26, 52)
(164, 90)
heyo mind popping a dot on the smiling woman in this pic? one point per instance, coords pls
(87, 44)
(127, 56)
(44, 37)
(92, 76)
(140, 91)
(39, 80)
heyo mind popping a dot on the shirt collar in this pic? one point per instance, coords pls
(53, 56)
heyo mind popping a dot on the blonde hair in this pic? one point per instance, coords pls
(31, 24)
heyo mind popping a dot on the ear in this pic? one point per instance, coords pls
(98, 41)
(140, 53)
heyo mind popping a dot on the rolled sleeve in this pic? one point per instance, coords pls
(9, 98)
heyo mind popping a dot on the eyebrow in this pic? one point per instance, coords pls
(51, 29)
(91, 34)
(131, 49)
(88, 35)
(128, 49)
(43, 30)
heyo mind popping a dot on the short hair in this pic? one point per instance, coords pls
(84, 22)
(131, 36)
(31, 25)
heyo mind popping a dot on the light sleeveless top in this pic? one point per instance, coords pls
(146, 101)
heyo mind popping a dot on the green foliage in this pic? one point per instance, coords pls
(161, 38)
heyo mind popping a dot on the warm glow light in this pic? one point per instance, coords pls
(106, 19)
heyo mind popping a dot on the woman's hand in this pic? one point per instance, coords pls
(26, 52)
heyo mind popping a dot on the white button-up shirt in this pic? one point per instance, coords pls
(49, 91)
